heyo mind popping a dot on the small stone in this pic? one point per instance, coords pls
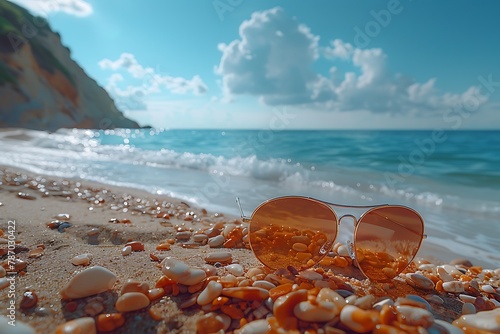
(183, 236)
(235, 269)
(135, 286)
(29, 300)
(222, 257)
(212, 291)
(180, 272)
(358, 320)
(131, 301)
(216, 241)
(364, 302)
(4, 282)
(81, 325)
(481, 322)
(246, 293)
(82, 259)
(378, 306)
(284, 306)
(201, 238)
(453, 287)
(263, 284)
(444, 275)
(414, 316)
(63, 216)
(93, 308)
(450, 329)
(35, 253)
(3, 272)
(63, 226)
(306, 311)
(136, 246)
(488, 288)
(467, 298)
(256, 327)
(89, 282)
(310, 275)
(109, 322)
(126, 250)
(209, 323)
(461, 262)
(468, 308)
(420, 281)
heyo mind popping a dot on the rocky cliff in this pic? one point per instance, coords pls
(41, 87)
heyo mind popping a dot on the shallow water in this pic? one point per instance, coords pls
(452, 178)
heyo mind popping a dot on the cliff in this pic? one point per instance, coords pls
(41, 87)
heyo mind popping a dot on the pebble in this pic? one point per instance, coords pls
(235, 269)
(131, 301)
(486, 321)
(310, 275)
(414, 316)
(284, 306)
(212, 291)
(210, 323)
(415, 301)
(89, 282)
(420, 281)
(378, 306)
(201, 238)
(452, 270)
(444, 275)
(246, 293)
(256, 327)
(126, 250)
(216, 241)
(467, 298)
(133, 285)
(81, 325)
(180, 272)
(137, 246)
(314, 312)
(109, 322)
(93, 308)
(29, 300)
(4, 282)
(488, 288)
(364, 302)
(453, 287)
(448, 327)
(35, 253)
(468, 308)
(343, 250)
(61, 228)
(19, 328)
(82, 259)
(184, 236)
(358, 320)
(25, 196)
(462, 262)
(3, 272)
(222, 257)
(263, 284)
(63, 216)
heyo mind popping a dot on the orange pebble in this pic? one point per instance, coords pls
(439, 286)
(233, 311)
(164, 281)
(165, 247)
(109, 322)
(340, 261)
(155, 293)
(388, 314)
(229, 243)
(280, 290)
(155, 314)
(219, 301)
(154, 257)
(136, 246)
(305, 286)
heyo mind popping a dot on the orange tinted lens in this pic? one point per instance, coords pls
(292, 231)
(386, 241)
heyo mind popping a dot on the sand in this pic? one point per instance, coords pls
(48, 274)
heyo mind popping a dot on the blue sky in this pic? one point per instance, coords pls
(289, 64)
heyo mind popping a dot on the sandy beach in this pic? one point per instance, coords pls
(103, 219)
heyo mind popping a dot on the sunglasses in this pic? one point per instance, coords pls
(300, 231)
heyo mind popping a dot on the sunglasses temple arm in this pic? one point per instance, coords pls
(245, 219)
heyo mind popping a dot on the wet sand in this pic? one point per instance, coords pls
(103, 219)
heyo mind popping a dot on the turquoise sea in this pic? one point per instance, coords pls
(452, 178)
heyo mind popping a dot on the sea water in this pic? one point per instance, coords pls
(452, 178)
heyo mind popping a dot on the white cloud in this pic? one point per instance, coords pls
(132, 97)
(274, 56)
(80, 8)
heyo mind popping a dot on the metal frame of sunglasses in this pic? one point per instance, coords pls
(373, 260)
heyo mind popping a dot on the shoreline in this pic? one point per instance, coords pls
(94, 231)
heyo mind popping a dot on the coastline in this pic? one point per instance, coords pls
(93, 231)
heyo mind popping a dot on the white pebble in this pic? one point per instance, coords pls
(467, 298)
(131, 301)
(414, 316)
(212, 291)
(256, 327)
(263, 284)
(306, 311)
(4, 282)
(488, 288)
(216, 241)
(82, 259)
(453, 287)
(343, 251)
(359, 320)
(235, 269)
(89, 282)
(126, 250)
(481, 322)
(468, 308)
(449, 327)
(378, 306)
(310, 275)
(444, 275)
(3, 272)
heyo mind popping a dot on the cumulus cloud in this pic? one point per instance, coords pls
(274, 56)
(80, 8)
(132, 97)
